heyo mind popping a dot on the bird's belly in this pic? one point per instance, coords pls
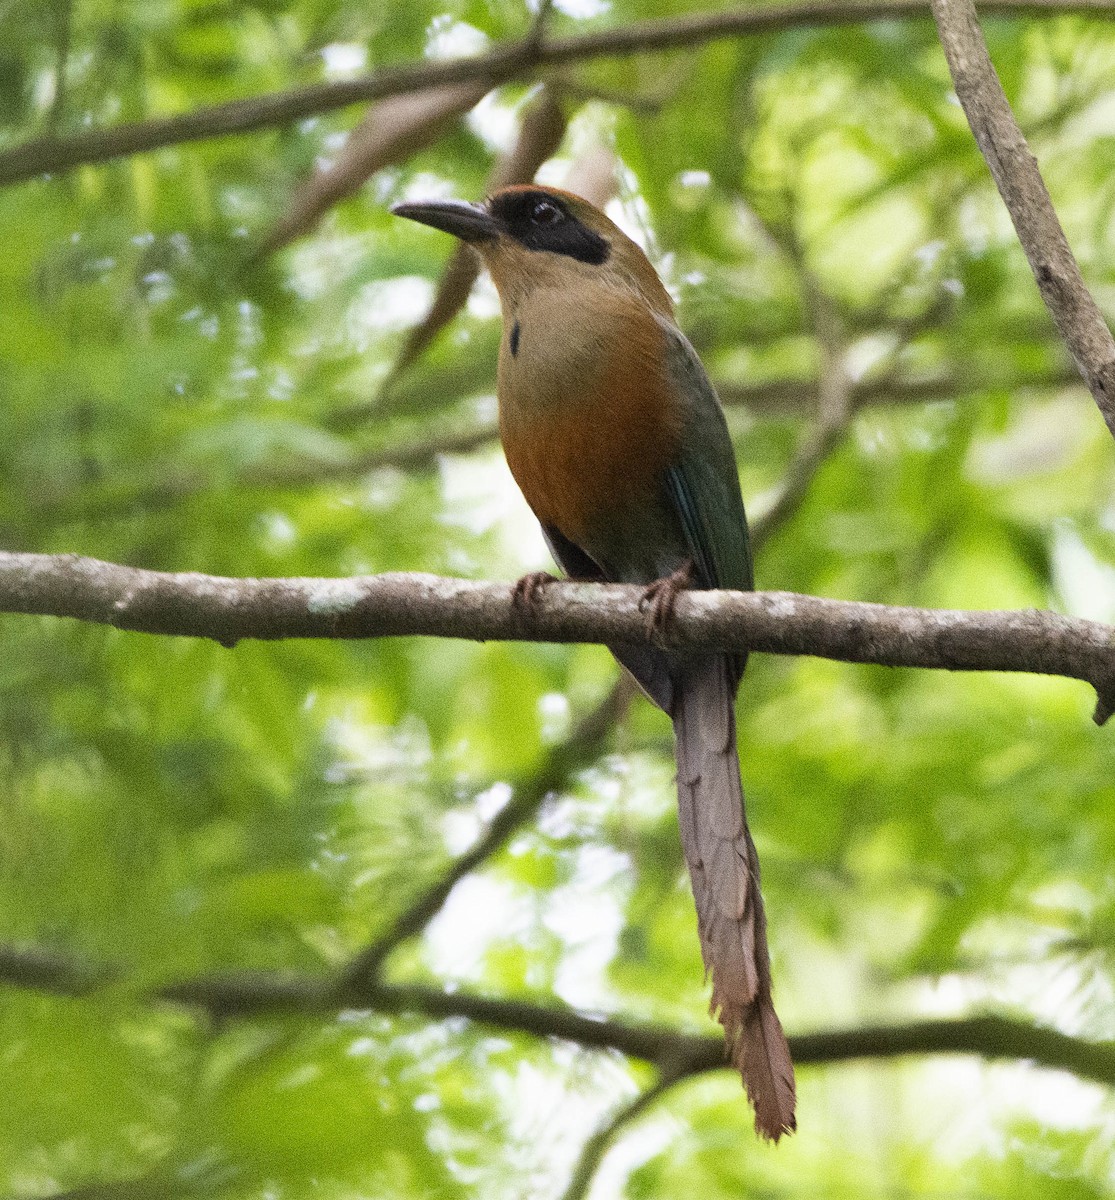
(588, 421)
(594, 471)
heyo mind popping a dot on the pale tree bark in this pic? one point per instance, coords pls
(395, 605)
(1016, 174)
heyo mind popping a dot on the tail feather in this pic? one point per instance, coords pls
(724, 872)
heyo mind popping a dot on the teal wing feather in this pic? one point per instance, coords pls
(704, 483)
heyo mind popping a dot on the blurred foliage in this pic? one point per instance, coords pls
(932, 844)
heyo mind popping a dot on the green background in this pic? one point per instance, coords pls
(933, 845)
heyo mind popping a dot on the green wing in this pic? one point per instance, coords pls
(704, 484)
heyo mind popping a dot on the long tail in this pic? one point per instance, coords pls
(724, 871)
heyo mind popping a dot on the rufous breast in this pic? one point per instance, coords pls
(587, 419)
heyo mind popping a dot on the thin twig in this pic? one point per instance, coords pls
(537, 31)
(415, 605)
(417, 455)
(793, 397)
(580, 749)
(593, 1151)
(64, 26)
(834, 402)
(645, 104)
(176, 484)
(148, 1187)
(1019, 181)
(778, 398)
(540, 132)
(516, 60)
(474, 375)
(814, 451)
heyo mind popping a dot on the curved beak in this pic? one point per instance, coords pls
(469, 222)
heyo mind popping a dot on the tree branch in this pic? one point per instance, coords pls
(678, 1054)
(400, 605)
(834, 408)
(790, 397)
(417, 454)
(776, 397)
(1019, 181)
(576, 752)
(515, 60)
(537, 29)
(391, 132)
(793, 397)
(541, 130)
(810, 456)
(63, 31)
(991, 1036)
(593, 1151)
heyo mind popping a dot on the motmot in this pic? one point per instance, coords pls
(618, 443)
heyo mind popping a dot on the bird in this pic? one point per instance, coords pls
(617, 441)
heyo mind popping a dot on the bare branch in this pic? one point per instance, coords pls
(50, 155)
(561, 762)
(537, 30)
(516, 60)
(176, 484)
(780, 398)
(474, 375)
(419, 454)
(391, 132)
(681, 1054)
(148, 1187)
(63, 32)
(401, 605)
(540, 134)
(453, 290)
(1019, 181)
(593, 1151)
(792, 397)
(777, 398)
(834, 410)
(677, 1054)
(44, 971)
(814, 450)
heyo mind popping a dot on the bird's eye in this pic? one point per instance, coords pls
(545, 212)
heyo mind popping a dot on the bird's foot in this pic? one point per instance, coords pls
(659, 599)
(527, 591)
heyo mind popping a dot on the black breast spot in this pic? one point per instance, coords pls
(513, 341)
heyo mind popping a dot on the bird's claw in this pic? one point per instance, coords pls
(660, 597)
(527, 592)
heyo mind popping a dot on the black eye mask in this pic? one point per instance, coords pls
(539, 221)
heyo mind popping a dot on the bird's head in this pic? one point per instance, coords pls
(531, 236)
